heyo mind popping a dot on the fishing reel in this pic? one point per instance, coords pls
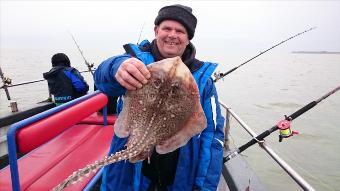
(285, 130)
(91, 65)
(218, 75)
(6, 81)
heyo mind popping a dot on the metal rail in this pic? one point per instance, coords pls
(290, 171)
(30, 82)
(4, 81)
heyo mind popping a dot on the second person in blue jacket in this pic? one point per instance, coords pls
(65, 83)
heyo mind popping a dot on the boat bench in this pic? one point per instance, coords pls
(56, 143)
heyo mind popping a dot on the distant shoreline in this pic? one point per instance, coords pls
(314, 52)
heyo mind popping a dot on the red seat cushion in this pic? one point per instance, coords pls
(98, 119)
(93, 149)
(36, 134)
(39, 161)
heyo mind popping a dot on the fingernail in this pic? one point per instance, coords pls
(145, 81)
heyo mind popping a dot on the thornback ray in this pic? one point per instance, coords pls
(163, 115)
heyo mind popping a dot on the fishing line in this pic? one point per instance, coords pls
(295, 163)
(140, 33)
(219, 76)
(281, 125)
(89, 66)
(8, 84)
(30, 82)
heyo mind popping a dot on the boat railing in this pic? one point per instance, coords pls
(285, 166)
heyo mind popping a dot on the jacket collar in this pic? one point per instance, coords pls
(188, 56)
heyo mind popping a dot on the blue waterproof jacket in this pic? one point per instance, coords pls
(65, 83)
(200, 160)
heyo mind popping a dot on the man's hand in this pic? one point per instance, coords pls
(132, 74)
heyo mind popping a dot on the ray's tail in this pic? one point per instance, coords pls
(135, 146)
(78, 175)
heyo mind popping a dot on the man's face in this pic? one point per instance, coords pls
(171, 38)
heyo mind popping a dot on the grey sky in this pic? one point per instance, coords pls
(222, 25)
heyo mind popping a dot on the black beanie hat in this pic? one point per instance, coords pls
(179, 13)
(60, 59)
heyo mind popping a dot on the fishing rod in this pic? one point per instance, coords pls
(89, 66)
(29, 82)
(219, 76)
(140, 33)
(283, 126)
(6, 82)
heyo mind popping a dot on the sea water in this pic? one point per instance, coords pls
(261, 92)
(279, 84)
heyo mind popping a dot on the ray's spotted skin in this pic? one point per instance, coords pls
(165, 114)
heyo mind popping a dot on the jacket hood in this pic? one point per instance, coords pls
(53, 72)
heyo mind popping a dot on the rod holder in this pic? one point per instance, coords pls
(14, 106)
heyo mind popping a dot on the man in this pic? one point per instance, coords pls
(65, 83)
(195, 166)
